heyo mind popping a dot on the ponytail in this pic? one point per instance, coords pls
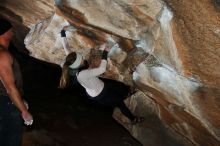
(64, 80)
(65, 77)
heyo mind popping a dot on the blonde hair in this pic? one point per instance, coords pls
(64, 79)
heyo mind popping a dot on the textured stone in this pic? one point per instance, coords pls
(169, 49)
(24, 14)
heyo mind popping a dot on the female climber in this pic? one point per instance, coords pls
(110, 93)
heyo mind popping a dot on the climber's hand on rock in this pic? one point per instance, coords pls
(108, 47)
(102, 47)
(65, 27)
(69, 28)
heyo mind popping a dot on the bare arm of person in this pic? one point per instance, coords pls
(7, 77)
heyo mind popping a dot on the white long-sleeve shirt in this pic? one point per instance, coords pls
(89, 79)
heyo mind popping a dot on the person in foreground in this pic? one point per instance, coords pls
(108, 93)
(12, 107)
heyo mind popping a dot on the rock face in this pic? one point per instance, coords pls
(168, 49)
(24, 14)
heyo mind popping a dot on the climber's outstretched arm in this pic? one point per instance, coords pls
(65, 42)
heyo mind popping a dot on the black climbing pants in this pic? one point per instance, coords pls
(113, 94)
(10, 123)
